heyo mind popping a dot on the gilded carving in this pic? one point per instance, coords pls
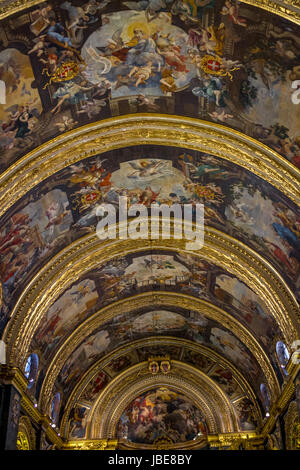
(154, 341)
(131, 130)
(164, 299)
(112, 401)
(26, 439)
(292, 427)
(82, 256)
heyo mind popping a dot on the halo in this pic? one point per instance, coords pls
(143, 26)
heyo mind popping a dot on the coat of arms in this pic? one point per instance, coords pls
(215, 65)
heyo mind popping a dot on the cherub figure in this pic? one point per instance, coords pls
(141, 74)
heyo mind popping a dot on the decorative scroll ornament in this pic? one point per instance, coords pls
(163, 443)
(22, 441)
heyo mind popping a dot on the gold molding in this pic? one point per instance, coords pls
(164, 444)
(91, 444)
(140, 129)
(248, 439)
(88, 253)
(154, 341)
(13, 375)
(26, 439)
(292, 427)
(288, 9)
(278, 408)
(164, 299)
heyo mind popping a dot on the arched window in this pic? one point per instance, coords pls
(265, 396)
(31, 369)
(54, 409)
(282, 354)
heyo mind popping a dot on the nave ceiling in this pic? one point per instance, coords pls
(169, 102)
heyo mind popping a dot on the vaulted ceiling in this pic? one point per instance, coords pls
(161, 101)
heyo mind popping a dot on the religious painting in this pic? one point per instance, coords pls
(120, 363)
(226, 381)
(232, 348)
(31, 234)
(247, 306)
(161, 412)
(21, 107)
(198, 360)
(138, 56)
(186, 324)
(158, 321)
(272, 222)
(78, 422)
(254, 213)
(94, 387)
(216, 60)
(246, 414)
(72, 308)
(82, 358)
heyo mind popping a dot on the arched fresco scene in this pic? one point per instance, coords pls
(139, 342)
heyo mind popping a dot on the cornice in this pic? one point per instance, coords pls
(288, 9)
(14, 376)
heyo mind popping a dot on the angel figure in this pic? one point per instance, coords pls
(232, 11)
(238, 210)
(221, 116)
(145, 169)
(142, 100)
(71, 92)
(141, 74)
(55, 218)
(39, 45)
(66, 123)
(92, 108)
(209, 40)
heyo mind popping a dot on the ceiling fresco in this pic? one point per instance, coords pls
(161, 412)
(78, 415)
(193, 326)
(63, 208)
(126, 277)
(66, 64)
(83, 317)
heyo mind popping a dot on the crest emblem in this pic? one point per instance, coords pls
(213, 65)
(90, 198)
(64, 72)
